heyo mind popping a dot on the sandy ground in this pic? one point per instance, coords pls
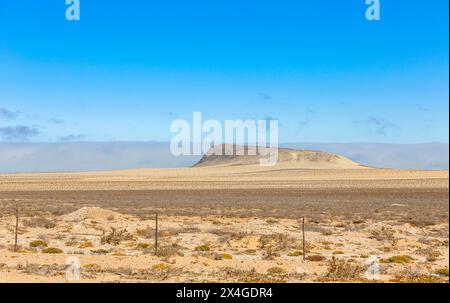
(226, 177)
(231, 223)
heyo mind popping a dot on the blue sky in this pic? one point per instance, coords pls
(127, 69)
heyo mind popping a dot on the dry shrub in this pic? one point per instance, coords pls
(100, 251)
(214, 256)
(176, 231)
(416, 274)
(433, 255)
(271, 221)
(168, 251)
(142, 245)
(358, 221)
(71, 243)
(226, 235)
(86, 244)
(91, 267)
(115, 236)
(276, 241)
(340, 269)
(420, 222)
(270, 254)
(38, 222)
(382, 234)
(418, 279)
(275, 270)
(251, 276)
(148, 233)
(315, 258)
(326, 232)
(45, 269)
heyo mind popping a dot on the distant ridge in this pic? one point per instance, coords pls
(307, 159)
(24, 157)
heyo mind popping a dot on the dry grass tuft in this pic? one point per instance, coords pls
(116, 236)
(339, 269)
(203, 247)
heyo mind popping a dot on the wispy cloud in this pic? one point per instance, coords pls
(422, 108)
(379, 125)
(264, 96)
(8, 114)
(18, 132)
(167, 114)
(72, 137)
(303, 123)
(55, 121)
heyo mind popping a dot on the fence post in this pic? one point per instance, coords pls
(304, 240)
(156, 233)
(16, 230)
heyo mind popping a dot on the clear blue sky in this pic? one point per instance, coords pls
(128, 68)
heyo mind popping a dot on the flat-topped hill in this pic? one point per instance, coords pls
(307, 159)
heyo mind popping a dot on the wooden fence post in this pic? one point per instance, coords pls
(304, 240)
(16, 230)
(156, 233)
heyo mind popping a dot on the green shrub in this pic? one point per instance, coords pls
(442, 271)
(202, 248)
(227, 256)
(296, 253)
(400, 259)
(160, 267)
(52, 250)
(38, 243)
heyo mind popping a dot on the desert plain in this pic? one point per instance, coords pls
(228, 220)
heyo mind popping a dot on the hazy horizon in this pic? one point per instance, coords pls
(100, 156)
